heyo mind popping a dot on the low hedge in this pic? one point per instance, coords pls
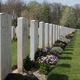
(60, 44)
(57, 50)
(30, 65)
(16, 76)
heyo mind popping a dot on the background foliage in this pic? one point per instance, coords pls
(55, 13)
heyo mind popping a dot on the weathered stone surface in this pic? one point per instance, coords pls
(46, 34)
(59, 31)
(50, 35)
(54, 33)
(12, 32)
(63, 31)
(41, 34)
(5, 45)
(33, 38)
(22, 43)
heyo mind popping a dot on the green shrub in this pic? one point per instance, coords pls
(29, 65)
(30, 77)
(16, 76)
(63, 39)
(40, 53)
(55, 76)
(13, 76)
(57, 50)
(60, 44)
(45, 68)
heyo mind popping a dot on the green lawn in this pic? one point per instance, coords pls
(68, 68)
(14, 51)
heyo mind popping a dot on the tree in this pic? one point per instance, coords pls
(68, 17)
(77, 11)
(14, 7)
(40, 12)
(46, 12)
(0, 6)
(56, 12)
(32, 11)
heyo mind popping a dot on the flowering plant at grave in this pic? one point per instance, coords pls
(70, 36)
(47, 63)
(57, 50)
(49, 59)
(64, 39)
(59, 44)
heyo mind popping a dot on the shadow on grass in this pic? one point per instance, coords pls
(66, 58)
(54, 76)
(69, 49)
(68, 52)
(64, 65)
(71, 46)
(16, 76)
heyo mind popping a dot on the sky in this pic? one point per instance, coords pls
(64, 2)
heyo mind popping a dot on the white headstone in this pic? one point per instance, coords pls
(46, 35)
(41, 35)
(5, 45)
(54, 33)
(12, 32)
(33, 38)
(63, 32)
(22, 43)
(58, 32)
(50, 35)
(60, 27)
(66, 31)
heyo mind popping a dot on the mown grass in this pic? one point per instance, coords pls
(14, 51)
(68, 68)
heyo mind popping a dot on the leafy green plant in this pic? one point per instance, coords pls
(29, 65)
(44, 68)
(13, 76)
(64, 39)
(30, 77)
(59, 44)
(57, 50)
(47, 63)
(40, 53)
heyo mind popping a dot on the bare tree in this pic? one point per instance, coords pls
(77, 11)
(0, 6)
(14, 7)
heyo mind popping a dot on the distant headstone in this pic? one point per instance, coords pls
(46, 35)
(12, 32)
(5, 45)
(58, 31)
(60, 27)
(54, 33)
(50, 35)
(41, 34)
(22, 43)
(63, 31)
(33, 38)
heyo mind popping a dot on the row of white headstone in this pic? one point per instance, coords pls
(41, 37)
